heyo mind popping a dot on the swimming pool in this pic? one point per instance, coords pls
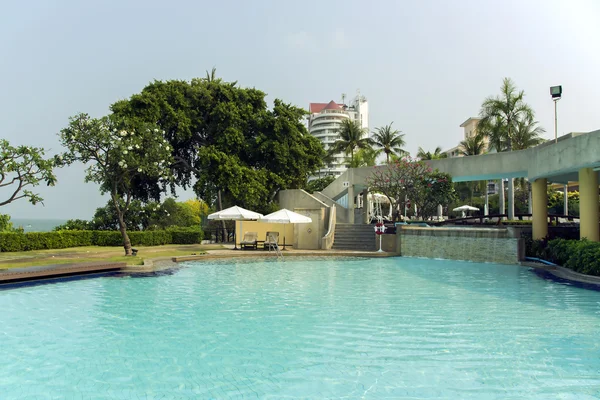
(383, 328)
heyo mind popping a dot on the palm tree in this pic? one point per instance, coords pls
(351, 137)
(390, 141)
(426, 155)
(527, 134)
(500, 118)
(474, 146)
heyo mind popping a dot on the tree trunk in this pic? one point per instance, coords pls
(221, 209)
(123, 229)
(511, 199)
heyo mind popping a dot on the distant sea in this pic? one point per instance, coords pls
(36, 224)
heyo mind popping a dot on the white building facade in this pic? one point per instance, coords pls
(324, 122)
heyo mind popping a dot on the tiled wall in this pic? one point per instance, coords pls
(480, 245)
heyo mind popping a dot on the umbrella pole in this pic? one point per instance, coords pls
(284, 226)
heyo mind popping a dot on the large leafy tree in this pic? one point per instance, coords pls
(413, 181)
(120, 155)
(351, 138)
(366, 157)
(226, 141)
(502, 119)
(390, 140)
(427, 155)
(22, 168)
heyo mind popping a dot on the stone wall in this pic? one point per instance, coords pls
(469, 244)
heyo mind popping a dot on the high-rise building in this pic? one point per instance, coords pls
(325, 121)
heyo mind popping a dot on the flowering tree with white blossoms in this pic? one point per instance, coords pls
(119, 156)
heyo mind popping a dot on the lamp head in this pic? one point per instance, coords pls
(556, 92)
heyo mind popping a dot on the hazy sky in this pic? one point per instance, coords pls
(426, 65)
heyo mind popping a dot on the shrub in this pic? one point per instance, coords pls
(12, 241)
(186, 236)
(579, 255)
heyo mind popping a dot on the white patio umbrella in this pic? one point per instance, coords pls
(466, 208)
(235, 213)
(285, 216)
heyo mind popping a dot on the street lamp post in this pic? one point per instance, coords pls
(556, 93)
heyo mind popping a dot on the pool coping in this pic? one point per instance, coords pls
(156, 264)
(14, 275)
(564, 273)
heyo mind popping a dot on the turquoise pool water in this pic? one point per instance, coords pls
(305, 328)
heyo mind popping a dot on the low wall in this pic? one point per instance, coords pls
(261, 228)
(470, 244)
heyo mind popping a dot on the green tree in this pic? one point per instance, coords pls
(22, 168)
(366, 157)
(76, 225)
(119, 153)
(351, 137)
(226, 141)
(390, 140)
(501, 119)
(414, 181)
(474, 146)
(6, 225)
(427, 155)
(318, 185)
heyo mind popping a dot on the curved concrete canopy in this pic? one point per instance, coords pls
(558, 162)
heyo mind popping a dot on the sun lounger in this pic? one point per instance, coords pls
(271, 240)
(250, 240)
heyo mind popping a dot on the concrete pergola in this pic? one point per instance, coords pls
(574, 158)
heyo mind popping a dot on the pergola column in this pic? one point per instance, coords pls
(540, 208)
(588, 204)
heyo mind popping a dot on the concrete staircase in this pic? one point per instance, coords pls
(360, 237)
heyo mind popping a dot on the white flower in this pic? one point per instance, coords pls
(137, 146)
(156, 130)
(123, 133)
(129, 147)
(125, 151)
(155, 162)
(121, 163)
(139, 170)
(164, 140)
(160, 145)
(114, 129)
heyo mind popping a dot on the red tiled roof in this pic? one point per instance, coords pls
(318, 107)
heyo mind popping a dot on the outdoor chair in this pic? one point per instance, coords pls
(250, 240)
(271, 240)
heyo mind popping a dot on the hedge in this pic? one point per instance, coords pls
(581, 256)
(64, 239)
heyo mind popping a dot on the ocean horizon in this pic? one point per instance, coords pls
(37, 224)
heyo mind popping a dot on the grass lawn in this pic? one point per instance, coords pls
(95, 253)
